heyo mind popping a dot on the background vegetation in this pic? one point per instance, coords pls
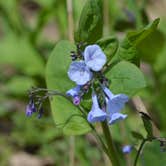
(29, 30)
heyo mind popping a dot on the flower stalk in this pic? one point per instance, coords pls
(111, 148)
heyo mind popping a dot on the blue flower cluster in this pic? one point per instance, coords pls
(83, 72)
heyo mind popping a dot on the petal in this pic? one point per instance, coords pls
(116, 117)
(74, 91)
(117, 103)
(79, 73)
(127, 149)
(29, 111)
(107, 92)
(96, 115)
(94, 57)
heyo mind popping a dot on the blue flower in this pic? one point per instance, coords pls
(74, 91)
(94, 57)
(79, 73)
(75, 94)
(96, 114)
(127, 149)
(115, 103)
(115, 117)
(30, 108)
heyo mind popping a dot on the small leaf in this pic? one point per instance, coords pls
(56, 78)
(91, 22)
(137, 135)
(135, 37)
(126, 78)
(130, 46)
(147, 124)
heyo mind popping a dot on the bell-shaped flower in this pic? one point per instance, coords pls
(96, 114)
(94, 57)
(30, 108)
(79, 72)
(75, 94)
(115, 102)
(115, 117)
(74, 91)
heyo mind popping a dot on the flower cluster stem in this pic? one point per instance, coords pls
(111, 148)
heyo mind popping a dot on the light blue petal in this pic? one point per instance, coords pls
(79, 73)
(116, 117)
(107, 92)
(96, 114)
(94, 57)
(74, 91)
(117, 103)
(127, 149)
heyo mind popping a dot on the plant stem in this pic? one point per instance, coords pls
(111, 148)
(139, 151)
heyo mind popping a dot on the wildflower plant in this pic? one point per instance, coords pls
(93, 80)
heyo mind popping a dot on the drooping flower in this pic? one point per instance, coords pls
(30, 108)
(94, 57)
(96, 114)
(79, 73)
(74, 91)
(115, 117)
(127, 149)
(115, 103)
(75, 94)
(40, 114)
(29, 111)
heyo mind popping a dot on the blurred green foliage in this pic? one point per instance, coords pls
(24, 48)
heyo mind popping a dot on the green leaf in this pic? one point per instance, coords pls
(126, 78)
(135, 37)
(129, 48)
(64, 112)
(127, 52)
(151, 47)
(137, 135)
(147, 124)
(91, 22)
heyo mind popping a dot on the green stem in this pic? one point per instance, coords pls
(111, 148)
(139, 151)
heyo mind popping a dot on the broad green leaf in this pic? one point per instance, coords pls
(151, 47)
(64, 112)
(126, 52)
(126, 78)
(19, 53)
(91, 22)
